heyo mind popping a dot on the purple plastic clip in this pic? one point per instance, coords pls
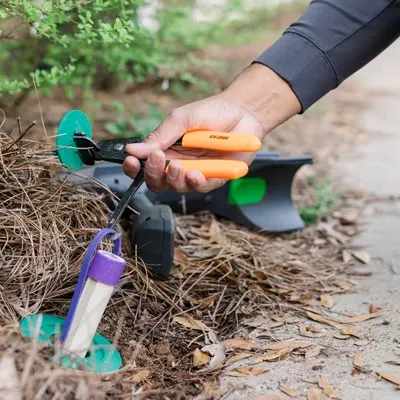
(84, 273)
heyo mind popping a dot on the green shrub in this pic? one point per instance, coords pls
(325, 201)
(81, 44)
(136, 125)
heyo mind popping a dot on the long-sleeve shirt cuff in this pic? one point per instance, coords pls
(331, 41)
(297, 60)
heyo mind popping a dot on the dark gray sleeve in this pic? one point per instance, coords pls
(330, 42)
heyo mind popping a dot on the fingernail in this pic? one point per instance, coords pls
(173, 171)
(193, 181)
(153, 159)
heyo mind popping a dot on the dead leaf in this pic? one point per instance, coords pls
(362, 256)
(275, 355)
(273, 325)
(373, 308)
(327, 301)
(362, 273)
(271, 397)
(314, 394)
(288, 390)
(9, 378)
(326, 387)
(212, 337)
(313, 352)
(309, 331)
(341, 337)
(281, 350)
(362, 342)
(319, 242)
(288, 344)
(247, 371)
(304, 331)
(180, 257)
(357, 360)
(292, 320)
(237, 357)
(343, 284)
(306, 380)
(322, 320)
(215, 231)
(392, 377)
(208, 302)
(349, 216)
(346, 330)
(331, 232)
(217, 353)
(346, 256)
(162, 348)
(239, 343)
(191, 323)
(200, 358)
(361, 318)
(260, 276)
(140, 376)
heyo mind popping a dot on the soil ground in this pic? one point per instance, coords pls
(372, 167)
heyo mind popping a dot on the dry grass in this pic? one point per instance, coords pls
(222, 274)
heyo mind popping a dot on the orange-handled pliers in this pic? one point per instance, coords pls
(114, 150)
(225, 142)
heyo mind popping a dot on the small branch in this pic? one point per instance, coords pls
(4, 118)
(19, 126)
(21, 136)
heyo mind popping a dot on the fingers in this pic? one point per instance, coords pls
(182, 182)
(131, 166)
(176, 177)
(157, 180)
(154, 172)
(198, 183)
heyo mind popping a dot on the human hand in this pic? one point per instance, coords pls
(237, 109)
(214, 114)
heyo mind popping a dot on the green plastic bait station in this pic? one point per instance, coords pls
(261, 200)
(82, 347)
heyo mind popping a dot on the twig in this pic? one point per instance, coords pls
(40, 109)
(21, 136)
(19, 126)
(4, 118)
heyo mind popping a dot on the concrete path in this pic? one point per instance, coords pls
(375, 167)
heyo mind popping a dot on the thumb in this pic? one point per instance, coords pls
(166, 134)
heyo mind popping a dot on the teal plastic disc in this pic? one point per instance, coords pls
(103, 356)
(72, 122)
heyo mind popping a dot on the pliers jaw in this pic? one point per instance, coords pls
(86, 148)
(113, 150)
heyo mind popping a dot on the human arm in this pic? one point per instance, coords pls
(331, 41)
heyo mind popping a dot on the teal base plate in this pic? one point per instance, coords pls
(103, 356)
(72, 122)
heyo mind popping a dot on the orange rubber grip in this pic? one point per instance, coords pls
(221, 141)
(222, 169)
